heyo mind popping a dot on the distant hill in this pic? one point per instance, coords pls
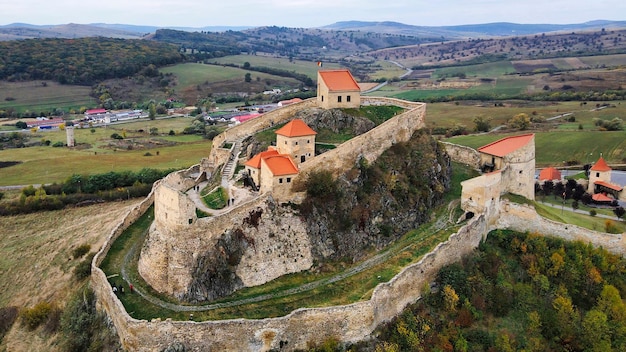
(15, 31)
(471, 30)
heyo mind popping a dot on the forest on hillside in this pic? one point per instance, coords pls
(82, 61)
(519, 292)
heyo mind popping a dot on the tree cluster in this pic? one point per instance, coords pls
(519, 292)
(83, 61)
(84, 190)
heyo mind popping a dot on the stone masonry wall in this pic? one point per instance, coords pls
(521, 217)
(462, 154)
(372, 144)
(348, 323)
(168, 256)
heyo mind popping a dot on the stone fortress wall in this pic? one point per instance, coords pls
(462, 154)
(348, 323)
(177, 237)
(373, 143)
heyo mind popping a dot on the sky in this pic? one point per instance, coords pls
(306, 13)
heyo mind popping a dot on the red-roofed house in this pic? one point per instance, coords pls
(337, 89)
(297, 139)
(272, 169)
(510, 163)
(289, 102)
(600, 180)
(601, 198)
(549, 174)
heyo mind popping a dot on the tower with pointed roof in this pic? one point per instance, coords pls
(275, 168)
(600, 179)
(337, 89)
(297, 139)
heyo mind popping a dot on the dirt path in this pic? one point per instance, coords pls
(442, 222)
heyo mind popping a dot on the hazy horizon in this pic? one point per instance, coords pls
(307, 13)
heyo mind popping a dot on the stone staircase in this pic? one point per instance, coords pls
(229, 168)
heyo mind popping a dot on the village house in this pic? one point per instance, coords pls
(549, 174)
(274, 169)
(337, 89)
(600, 185)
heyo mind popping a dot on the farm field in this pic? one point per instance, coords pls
(46, 164)
(34, 96)
(191, 74)
(450, 113)
(554, 148)
(308, 68)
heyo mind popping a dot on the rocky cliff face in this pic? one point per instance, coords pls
(367, 207)
(372, 205)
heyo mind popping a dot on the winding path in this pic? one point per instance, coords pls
(443, 222)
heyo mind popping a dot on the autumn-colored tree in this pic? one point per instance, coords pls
(450, 299)
(520, 121)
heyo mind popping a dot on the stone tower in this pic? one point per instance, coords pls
(69, 131)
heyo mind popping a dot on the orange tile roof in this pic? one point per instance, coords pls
(601, 165)
(296, 128)
(506, 145)
(255, 161)
(281, 165)
(599, 197)
(608, 185)
(339, 80)
(549, 173)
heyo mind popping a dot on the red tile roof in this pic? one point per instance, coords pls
(506, 145)
(281, 165)
(255, 162)
(339, 80)
(599, 197)
(601, 165)
(95, 111)
(290, 101)
(296, 128)
(608, 185)
(549, 173)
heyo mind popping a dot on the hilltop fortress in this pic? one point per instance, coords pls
(267, 241)
(192, 259)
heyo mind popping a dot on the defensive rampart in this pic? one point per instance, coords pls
(373, 143)
(349, 323)
(521, 217)
(462, 154)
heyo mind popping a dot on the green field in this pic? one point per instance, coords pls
(35, 97)
(555, 148)
(192, 74)
(491, 69)
(46, 164)
(308, 68)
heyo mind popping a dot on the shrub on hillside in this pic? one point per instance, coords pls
(81, 250)
(37, 315)
(83, 269)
